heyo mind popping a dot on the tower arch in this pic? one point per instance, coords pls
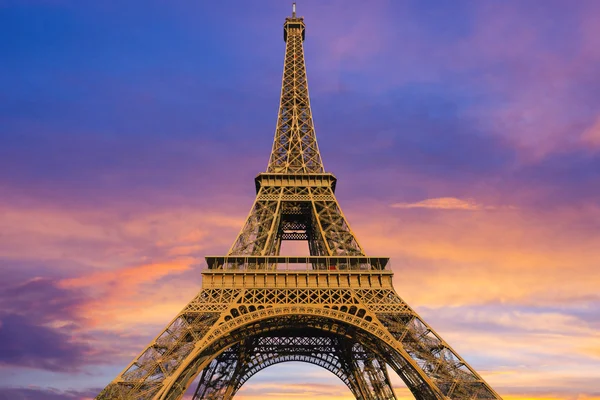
(292, 320)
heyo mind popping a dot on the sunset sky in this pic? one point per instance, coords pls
(465, 136)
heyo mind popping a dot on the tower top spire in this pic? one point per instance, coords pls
(293, 22)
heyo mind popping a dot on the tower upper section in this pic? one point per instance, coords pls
(295, 149)
(293, 22)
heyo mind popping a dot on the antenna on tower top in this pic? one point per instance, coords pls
(294, 10)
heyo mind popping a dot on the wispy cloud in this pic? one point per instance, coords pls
(591, 136)
(445, 203)
(38, 393)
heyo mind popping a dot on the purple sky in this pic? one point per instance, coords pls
(465, 137)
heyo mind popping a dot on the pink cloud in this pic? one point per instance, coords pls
(591, 136)
(445, 203)
(540, 92)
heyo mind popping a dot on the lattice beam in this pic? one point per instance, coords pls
(295, 148)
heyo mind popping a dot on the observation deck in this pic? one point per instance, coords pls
(297, 263)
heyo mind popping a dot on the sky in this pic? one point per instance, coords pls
(465, 137)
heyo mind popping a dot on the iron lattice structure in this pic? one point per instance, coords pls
(335, 308)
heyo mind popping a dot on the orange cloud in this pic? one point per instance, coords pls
(444, 203)
(508, 255)
(129, 277)
(120, 299)
(277, 388)
(104, 239)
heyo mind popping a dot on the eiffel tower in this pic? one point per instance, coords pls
(335, 308)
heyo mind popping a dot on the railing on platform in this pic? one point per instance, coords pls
(298, 263)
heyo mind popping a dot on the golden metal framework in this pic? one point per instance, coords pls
(335, 308)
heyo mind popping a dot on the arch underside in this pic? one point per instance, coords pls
(370, 380)
(358, 367)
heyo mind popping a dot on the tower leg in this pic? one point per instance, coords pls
(215, 379)
(370, 372)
